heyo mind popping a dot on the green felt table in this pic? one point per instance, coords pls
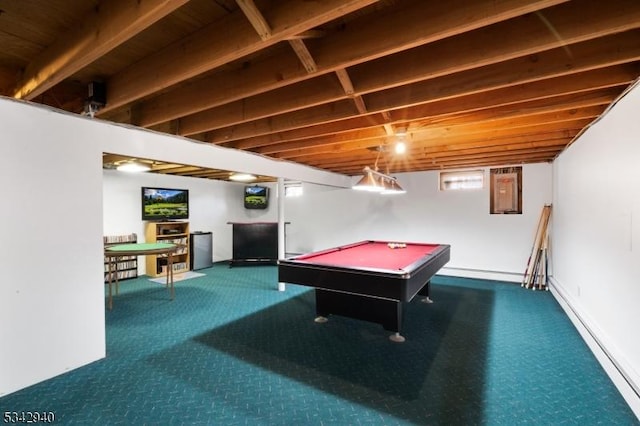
(113, 253)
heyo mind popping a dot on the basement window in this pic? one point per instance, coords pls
(293, 189)
(469, 179)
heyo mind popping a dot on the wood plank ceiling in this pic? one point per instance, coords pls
(332, 84)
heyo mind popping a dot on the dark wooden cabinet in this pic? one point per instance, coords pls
(255, 243)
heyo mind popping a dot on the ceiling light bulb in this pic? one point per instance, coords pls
(242, 177)
(401, 147)
(133, 167)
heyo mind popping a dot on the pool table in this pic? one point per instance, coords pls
(367, 280)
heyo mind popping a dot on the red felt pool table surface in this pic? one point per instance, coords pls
(368, 280)
(371, 254)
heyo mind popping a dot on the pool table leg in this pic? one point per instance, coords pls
(424, 291)
(397, 337)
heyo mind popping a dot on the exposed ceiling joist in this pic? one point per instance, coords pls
(101, 30)
(331, 84)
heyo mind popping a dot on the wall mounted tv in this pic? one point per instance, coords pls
(256, 197)
(165, 203)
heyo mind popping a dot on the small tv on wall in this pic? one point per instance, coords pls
(165, 203)
(256, 197)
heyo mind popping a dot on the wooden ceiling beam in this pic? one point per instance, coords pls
(206, 50)
(304, 55)
(510, 137)
(317, 130)
(578, 84)
(551, 146)
(256, 19)
(319, 114)
(105, 28)
(391, 160)
(289, 99)
(587, 56)
(417, 23)
(541, 155)
(512, 122)
(67, 95)
(347, 86)
(520, 37)
(360, 105)
(487, 78)
(425, 22)
(552, 88)
(345, 81)
(466, 126)
(498, 157)
(527, 36)
(571, 102)
(309, 34)
(180, 170)
(439, 113)
(462, 163)
(454, 137)
(8, 78)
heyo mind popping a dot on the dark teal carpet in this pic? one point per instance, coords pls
(231, 350)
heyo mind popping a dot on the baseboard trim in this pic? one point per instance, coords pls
(481, 274)
(629, 390)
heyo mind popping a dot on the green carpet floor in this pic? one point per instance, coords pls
(232, 350)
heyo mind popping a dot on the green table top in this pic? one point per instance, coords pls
(141, 247)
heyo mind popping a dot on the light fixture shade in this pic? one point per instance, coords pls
(133, 167)
(242, 177)
(393, 188)
(368, 183)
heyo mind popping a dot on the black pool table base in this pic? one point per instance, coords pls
(387, 312)
(396, 337)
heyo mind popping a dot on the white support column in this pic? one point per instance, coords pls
(281, 233)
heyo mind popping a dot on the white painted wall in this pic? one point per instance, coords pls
(482, 245)
(211, 205)
(596, 233)
(52, 311)
(51, 292)
(51, 289)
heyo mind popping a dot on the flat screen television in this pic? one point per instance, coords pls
(256, 197)
(165, 203)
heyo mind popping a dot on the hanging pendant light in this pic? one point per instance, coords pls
(393, 188)
(369, 182)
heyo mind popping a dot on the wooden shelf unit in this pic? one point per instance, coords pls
(168, 232)
(127, 266)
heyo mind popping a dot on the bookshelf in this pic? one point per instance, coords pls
(168, 232)
(127, 266)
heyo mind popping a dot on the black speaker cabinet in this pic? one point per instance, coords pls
(255, 243)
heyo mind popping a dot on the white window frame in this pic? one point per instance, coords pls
(293, 189)
(463, 180)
